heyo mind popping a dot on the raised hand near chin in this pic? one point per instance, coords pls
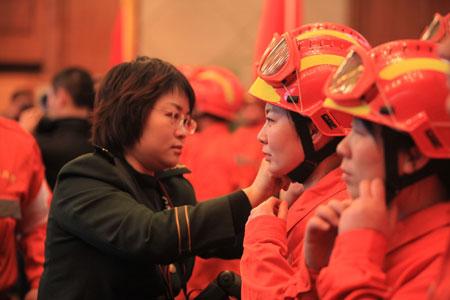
(321, 232)
(265, 185)
(369, 210)
(271, 207)
(292, 193)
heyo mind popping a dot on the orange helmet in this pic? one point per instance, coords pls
(438, 29)
(401, 85)
(296, 65)
(217, 90)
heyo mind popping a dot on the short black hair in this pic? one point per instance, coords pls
(126, 95)
(78, 83)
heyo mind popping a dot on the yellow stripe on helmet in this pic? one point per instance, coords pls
(322, 32)
(222, 81)
(320, 59)
(264, 91)
(359, 110)
(413, 64)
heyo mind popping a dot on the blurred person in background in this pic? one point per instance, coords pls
(219, 95)
(299, 139)
(438, 31)
(63, 129)
(208, 153)
(24, 204)
(21, 100)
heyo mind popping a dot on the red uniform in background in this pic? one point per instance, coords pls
(24, 203)
(208, 156)
(247, 154)
(209, 153)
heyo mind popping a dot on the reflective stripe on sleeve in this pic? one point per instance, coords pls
(10, 208)
(36, 213)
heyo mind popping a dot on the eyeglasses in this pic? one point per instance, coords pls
(180, 120)
(438, 29)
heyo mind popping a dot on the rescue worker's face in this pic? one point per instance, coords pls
(362, 156)
(163, 137)
(281, 145)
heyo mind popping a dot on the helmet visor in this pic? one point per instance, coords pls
(435, 30)
(276, 58)
(279, 61)
(347, 75)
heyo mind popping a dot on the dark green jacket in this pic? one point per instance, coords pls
(104, 241)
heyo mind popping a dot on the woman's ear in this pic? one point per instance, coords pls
(411, 160)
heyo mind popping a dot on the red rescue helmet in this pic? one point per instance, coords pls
(295, 67)
(401, 85)
(217, 90)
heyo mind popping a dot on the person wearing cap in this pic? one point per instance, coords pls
(219, 95)
(440, 289)
(438, 31)
(123, 222)
(299, 139)
(63, 130)
(389, 242)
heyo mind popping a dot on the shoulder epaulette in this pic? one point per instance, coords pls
(179, 169)
(105, 153)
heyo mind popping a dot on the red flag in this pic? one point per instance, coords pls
(116, 41)
(277, 16)
(123, 35)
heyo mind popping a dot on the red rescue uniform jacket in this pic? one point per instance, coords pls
(272, 266)
(440, 290)
(366, 265)
(24, 203)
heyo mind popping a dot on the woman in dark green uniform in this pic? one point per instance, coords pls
(124, 223)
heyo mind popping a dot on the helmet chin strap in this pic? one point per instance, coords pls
(312, 157)
(394, 183)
